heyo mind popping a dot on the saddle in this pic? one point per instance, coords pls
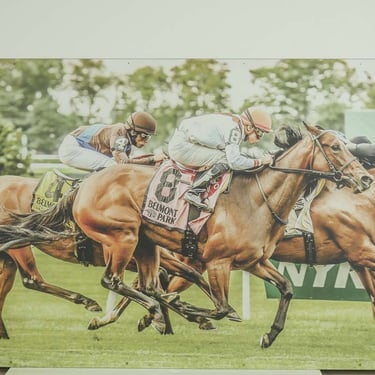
(164, 202)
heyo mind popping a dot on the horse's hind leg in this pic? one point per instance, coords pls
(367, 277)
(266, 271)
(32, 279)
(8, 271)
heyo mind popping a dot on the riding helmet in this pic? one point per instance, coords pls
(258, 118)
(142, 122)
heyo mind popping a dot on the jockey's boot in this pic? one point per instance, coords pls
(193, 196)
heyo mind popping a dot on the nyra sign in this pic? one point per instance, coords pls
(324, 282)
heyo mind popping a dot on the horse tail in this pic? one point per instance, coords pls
(39, 227)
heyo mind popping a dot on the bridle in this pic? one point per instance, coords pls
(335, 174)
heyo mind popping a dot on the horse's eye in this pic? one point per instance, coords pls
(336, 147)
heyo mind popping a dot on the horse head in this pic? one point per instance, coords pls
(326, 156)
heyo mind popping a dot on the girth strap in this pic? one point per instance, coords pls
(310, 249)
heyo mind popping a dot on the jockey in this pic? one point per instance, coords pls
(98, 146)
(361, 147)
(211, 143)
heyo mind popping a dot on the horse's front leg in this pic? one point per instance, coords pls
(147, 256)
(111, 316)
(367, 278)
(118, 250)
(8, 270)
(218, 276)
(187, 271)
(218, 272)
(113, 282)
(266, 271)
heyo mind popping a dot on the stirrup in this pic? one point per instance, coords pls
(195, 201)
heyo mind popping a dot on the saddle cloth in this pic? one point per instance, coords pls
(50, 189)
(164, 202)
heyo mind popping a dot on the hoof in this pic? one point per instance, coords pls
(234, 317)
(159, 327)
(265, 341)
(207, 326)
(94, 307)
(168, 332)
(93, 324)
(144, 323)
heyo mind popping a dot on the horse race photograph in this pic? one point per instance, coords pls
(187, 213)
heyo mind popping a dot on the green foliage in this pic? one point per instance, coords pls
(146, 89)
(13, 159)
(47, 98)
(194, 87)
(293, 89)
(89, 79)
(50, 126)
(26, 100)
(24, 81)
(201, 86)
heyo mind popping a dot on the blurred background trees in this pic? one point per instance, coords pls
(42, 100)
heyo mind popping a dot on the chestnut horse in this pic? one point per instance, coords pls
(344, 231)
(16, 194)
(242, 233)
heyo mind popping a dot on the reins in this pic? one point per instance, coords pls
(335, 174)
(273, 213)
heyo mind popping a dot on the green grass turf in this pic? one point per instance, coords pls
(47, 331)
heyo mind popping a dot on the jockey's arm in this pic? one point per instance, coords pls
(122, 158)
(237, 161)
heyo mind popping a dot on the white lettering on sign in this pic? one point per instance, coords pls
(297, 277)
(343, 274)
(321, 275)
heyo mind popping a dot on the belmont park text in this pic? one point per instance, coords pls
(165, 214)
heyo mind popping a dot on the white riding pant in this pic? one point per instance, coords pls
(72, 154)
(193, 155)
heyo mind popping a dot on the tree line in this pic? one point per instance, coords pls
(32, 92)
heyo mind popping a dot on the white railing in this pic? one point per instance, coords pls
(38, 162)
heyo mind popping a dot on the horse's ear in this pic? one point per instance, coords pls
(311, 129)
(307, 127)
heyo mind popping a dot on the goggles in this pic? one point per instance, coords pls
(258, 132)
(144, 136)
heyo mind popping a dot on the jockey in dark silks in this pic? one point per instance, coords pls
(363, 149)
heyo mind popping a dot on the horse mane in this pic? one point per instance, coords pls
(287, 136)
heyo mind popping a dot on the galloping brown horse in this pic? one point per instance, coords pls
(344, 231)
(16, 194)
(242, 233)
